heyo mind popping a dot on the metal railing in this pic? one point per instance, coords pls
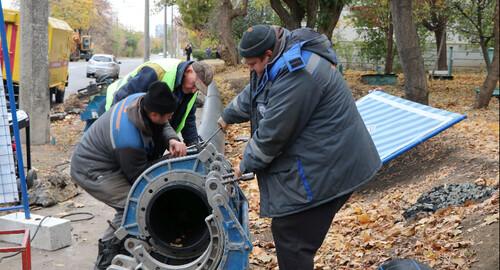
(15, 126)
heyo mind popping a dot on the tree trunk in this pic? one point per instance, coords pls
(229, 53)
(389, 56)
(312, 12)
(441, 49)
(291, 20)
(225, 25)
(329, 17)
(489, 84)
(409, 51)
(484, 49)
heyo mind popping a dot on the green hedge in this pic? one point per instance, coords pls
(201, 55)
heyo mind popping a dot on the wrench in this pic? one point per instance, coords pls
(244, 177)
(205, 142)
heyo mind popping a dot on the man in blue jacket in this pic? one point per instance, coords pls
(118, 147)
(309, 147)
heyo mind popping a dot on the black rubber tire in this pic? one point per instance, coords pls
(60, 96)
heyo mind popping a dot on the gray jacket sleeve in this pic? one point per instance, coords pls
(292, 100)
(170, 133)
(238, 111)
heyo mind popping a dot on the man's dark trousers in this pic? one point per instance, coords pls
(298, 236)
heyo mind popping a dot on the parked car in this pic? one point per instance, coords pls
(103, 64)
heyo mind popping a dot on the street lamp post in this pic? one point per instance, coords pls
(146, 30)
(165, 32)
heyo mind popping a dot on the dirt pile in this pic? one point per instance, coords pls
(52, 189)
(447, 195)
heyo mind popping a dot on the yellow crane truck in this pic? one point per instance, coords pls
(81, 47)
(60, 42)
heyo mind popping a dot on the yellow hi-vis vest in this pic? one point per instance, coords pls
(166, 69)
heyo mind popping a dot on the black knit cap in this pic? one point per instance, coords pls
(159, 99)
(256, 40)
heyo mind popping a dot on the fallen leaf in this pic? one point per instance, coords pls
(458, 261)
(364, 219)
(490, 220)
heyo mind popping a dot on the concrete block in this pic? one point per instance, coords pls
(54, 233)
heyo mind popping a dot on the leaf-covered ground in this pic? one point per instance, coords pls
(370, 228)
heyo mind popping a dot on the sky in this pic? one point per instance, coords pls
(130, 13)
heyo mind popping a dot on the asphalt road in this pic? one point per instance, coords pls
(77, 73)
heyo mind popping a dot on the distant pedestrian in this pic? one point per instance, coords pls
(188, 50)
(217, 52)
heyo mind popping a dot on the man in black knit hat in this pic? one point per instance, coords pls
(118, 147)
(309, 147)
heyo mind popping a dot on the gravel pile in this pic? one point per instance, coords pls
(448, 195)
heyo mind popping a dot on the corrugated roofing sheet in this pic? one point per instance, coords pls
(397, 125)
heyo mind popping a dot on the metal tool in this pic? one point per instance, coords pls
(243, 177)
(96, 87)
(178, 211)
(204, 143)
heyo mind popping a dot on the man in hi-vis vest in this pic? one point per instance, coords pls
(184, 78)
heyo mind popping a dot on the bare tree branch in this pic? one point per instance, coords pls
(428, 25)
(289, 19)
(460, 9)
(241, 10)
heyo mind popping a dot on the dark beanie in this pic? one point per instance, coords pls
(159, 99)
(256, 40)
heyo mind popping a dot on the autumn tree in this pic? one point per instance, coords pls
(328, 15)
(292, 12)
(322, 15)
(77, 14)
(100, 27)
(226, 15)
(409, 51)
(196, 17)
(434, 15)
(484, 97)
(93, 17)
(258, 12)
(475, 22)
(195, 14)
(372, 18)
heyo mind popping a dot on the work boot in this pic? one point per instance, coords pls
(107, 250)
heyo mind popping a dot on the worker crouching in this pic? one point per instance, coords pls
(118, 147)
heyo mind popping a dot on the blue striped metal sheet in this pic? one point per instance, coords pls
(397, 125)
